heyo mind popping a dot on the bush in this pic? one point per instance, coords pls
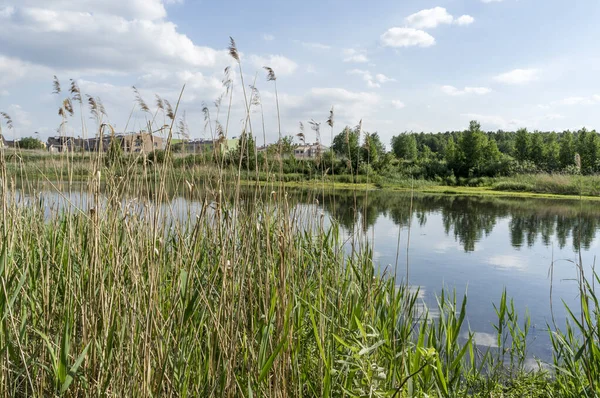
(157, 157)
(30, 143)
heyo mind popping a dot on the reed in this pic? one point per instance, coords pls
(116, 289)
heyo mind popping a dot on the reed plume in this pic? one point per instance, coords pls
(233, 51)
(94, 109)
(56, 85)
(66, 108)
(140, 101)
(169, 110)
(75, 92)
(270, 74)
(7, 119)
(159, 102)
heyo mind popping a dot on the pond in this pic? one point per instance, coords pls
(474, 245)
(481, 246)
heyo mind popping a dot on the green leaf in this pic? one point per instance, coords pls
(73, 370)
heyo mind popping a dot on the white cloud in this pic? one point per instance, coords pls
(4, 93)
(507, 262)
(483, 339)
(495, 120)
(451, 90)
(433, 17)
(430, 18)
(311, 69)
(398, 104)
(518, 76)
(406, 37)
(350, 106)
(14, 69)
(356, 56)
(372, 81)
(491, 1)
(381, 78)
(21, 119)
(268, 37)
(591, 100)
(315, 46)
(464, 20)
(118, 37)
(6, 12)
(281, 65)
(129, 9)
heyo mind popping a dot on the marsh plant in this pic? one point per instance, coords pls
(124, 293)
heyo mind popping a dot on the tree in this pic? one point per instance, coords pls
(522, 144)
(451, 155)
(287, 145)
(588, 147)
(246, 151)
(346, 145)
(472, 145)
(373, 150)
(492, 153)
(567, 150)
(552, 153)
(536, 149)
(31, 143)
(404, 146)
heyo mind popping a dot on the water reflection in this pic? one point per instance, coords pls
(470, 219)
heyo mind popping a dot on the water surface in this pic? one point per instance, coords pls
(474, 245)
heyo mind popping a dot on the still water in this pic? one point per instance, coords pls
(481, 246)
(474, 245)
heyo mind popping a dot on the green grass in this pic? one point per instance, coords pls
(125, 294)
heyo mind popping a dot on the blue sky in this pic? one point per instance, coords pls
(415, 65)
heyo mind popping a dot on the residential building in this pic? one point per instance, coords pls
(202, 145)
(61, 144)
(309, 151)
(131, 142)
(140, 142)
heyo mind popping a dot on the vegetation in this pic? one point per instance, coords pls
(30, 143)
(124, 293)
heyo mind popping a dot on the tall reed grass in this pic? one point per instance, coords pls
(123, 293)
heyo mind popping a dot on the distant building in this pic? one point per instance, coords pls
(140, 142)
(203, 146)
(309, 151)
(61, 144)
(193, 146)
(131, 142)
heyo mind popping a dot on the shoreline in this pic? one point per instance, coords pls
(433, 189)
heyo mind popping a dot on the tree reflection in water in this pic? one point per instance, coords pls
(469, 218)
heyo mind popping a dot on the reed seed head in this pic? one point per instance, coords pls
(169, 109)
(233, 51)
(330, 120)
(7, 119)
(140, 100)
(75, 92)
(56, 85)
(270, 74)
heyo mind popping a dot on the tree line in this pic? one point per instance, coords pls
(475, 153)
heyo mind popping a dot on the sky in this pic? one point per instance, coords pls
(411, 65)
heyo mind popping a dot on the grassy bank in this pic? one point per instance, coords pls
(42, 166)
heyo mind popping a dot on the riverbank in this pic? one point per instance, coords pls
(42, 166)
(427, 188)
